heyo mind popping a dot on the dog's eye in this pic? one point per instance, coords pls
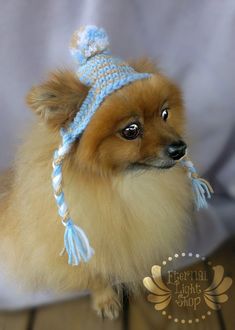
(132, 131)
(165, 111)
(164, 114)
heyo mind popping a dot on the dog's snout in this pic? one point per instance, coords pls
(176, 150)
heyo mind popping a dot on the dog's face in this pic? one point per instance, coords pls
(138, 126)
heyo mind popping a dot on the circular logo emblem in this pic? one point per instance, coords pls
(190, 295)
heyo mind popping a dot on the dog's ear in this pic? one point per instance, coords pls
(57, 100)
(144, 65)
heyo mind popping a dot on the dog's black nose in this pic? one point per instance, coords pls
(176, 150)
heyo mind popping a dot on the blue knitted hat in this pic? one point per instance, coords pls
(98, 70)
(104, 74)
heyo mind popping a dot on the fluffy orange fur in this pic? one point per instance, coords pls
(132, 218)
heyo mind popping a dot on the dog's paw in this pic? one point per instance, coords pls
(106, 304)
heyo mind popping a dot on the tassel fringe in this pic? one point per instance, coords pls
(201, 188)
(76, 244)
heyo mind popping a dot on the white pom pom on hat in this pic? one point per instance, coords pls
(87, 42)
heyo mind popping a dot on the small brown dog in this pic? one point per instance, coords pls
(133, 200)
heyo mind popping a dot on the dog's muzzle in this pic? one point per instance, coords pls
(167, 158)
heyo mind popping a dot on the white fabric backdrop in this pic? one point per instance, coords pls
(193, 42)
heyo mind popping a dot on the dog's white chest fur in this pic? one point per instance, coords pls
(136, 221)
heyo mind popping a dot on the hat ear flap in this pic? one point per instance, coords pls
(58, 99)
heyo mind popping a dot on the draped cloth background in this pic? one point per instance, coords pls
(193, 42)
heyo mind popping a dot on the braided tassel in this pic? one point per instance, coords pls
(76, 243)
(201, 188)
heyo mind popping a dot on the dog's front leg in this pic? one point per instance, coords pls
(105, 301)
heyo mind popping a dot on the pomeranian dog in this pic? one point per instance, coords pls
(122, 183)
